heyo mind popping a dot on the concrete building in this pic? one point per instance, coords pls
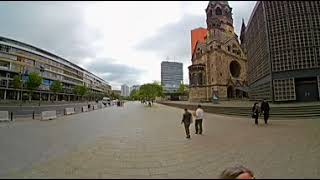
(219, 65)
(125, 90)
(282, 41)
(198, 35)
(171, 76)
(117, 92)
(18, 58)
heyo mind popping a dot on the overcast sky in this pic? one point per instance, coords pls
(121, 41)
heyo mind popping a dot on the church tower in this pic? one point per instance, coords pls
(219, 16)
(218, 62)
(243, 35)
(243, 32)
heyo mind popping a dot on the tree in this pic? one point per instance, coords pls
(114, 95)
(132, 94)
(135, 95)
(56, 87)
(80, 90)
(182, 89)
(150, 91)
(156, 82)
(17, 84)
(33, 82)
(90, 95)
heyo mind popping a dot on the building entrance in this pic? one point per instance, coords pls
(230, 92)
(307, 89)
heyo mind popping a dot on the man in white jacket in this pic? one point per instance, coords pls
(198, 121)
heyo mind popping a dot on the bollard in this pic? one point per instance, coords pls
(11, 116)
(33, 115)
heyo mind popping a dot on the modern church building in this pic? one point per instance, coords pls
(282, 44)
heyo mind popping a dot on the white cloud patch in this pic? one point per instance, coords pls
(115, 73)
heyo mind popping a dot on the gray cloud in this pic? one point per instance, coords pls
(56, 26)
(173, 39)
(115, 73)
(241, 10)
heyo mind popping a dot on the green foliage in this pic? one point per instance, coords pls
(135, 95)
(182, 89)
(80, 90)
(17, 83)
(114, 96)
(156, 82)
(133, 92)
(90, 94)
(34, 81)
(56, 86)
(150, 91)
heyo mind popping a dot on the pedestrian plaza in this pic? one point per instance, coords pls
(136, 141)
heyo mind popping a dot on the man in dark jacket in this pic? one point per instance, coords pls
(265, 108)
(187, 120)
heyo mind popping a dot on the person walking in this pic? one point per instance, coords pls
(265, 108)
(255, 113)
(187, 120)
(199, 118)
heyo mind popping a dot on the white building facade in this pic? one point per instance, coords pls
(125, 90)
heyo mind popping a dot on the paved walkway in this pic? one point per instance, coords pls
(247, 103)
(142, 142)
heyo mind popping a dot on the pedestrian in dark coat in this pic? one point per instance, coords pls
(265, 109)
(187, 120)
(255, 113)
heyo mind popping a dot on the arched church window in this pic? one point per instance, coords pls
(210, 13)
(218, 11)
(226, 11)
(200, 79)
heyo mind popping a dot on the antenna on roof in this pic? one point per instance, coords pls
(167, 58)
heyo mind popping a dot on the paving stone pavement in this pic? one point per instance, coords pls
(145, 142)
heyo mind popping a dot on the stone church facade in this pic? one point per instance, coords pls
(219, 65)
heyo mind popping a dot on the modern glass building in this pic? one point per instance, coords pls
(282, 41)
(18, 58)
(171, 76)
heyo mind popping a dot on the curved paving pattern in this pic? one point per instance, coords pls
(141, 142)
